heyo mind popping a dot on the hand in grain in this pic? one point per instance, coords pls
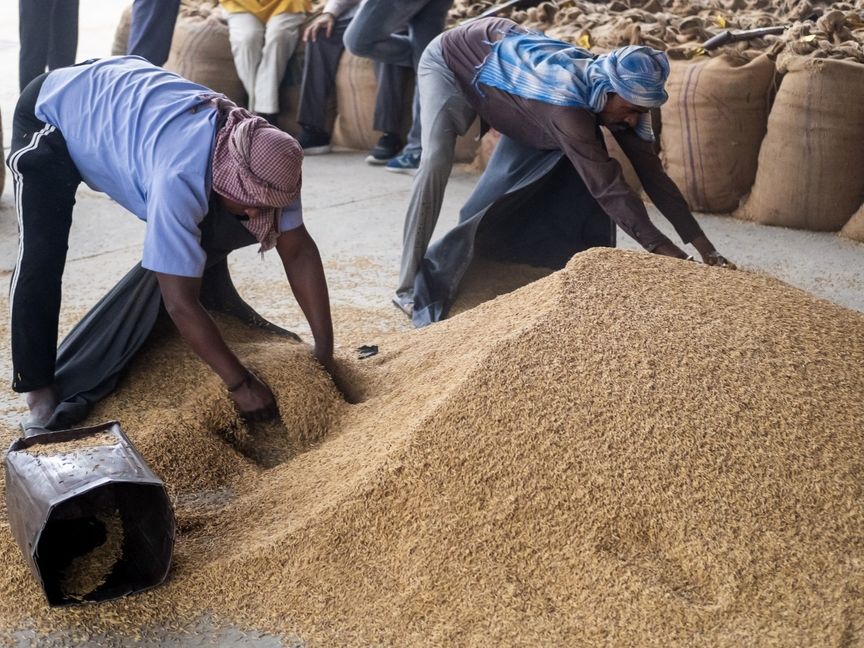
(332, 367)
(254, 400)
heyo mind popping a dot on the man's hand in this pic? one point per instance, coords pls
(669, 249)
(325, 21)
(710, 255)
(253, 399)
(716, 259)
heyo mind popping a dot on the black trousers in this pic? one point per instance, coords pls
(45, 180)
(319, 81)
(48, 33)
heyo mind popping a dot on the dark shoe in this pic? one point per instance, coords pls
(404, 163)
(386, 149)
(314, 142)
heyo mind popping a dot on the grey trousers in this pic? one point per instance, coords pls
(446, 114)
(374, 34)
(320, 64)
(261, 54)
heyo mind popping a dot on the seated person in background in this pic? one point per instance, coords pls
(542, 94)
(263, 35)
(324, 47)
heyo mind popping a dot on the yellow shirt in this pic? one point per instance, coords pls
(264, 9)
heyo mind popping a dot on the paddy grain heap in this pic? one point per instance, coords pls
(633, 451)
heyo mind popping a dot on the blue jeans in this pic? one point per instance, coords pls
(373, 34)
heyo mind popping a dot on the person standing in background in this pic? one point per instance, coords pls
(375, 33)
(152, 29)
(264, 35)
(48, 34)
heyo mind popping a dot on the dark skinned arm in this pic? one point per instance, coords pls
(665, 195)
(253, 398)
(305, 273)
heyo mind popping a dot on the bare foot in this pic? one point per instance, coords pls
(42, 403)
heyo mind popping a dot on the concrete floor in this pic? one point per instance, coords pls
(355, 214)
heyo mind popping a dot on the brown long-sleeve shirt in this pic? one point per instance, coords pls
(575, 131)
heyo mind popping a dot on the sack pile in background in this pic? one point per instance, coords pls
(808, 172)
(721, 103)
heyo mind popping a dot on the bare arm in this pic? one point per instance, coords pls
(664, 193)
(253, 398)
(305, 273)
(576, 134)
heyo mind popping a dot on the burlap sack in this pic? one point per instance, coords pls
(485, 149)
(201, 51)
(356, 89)
(854, 228)
(713, 124)
(121, 35)
(811, 164)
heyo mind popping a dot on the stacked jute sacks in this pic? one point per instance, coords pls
(201, 52)
(544, 469)
(767, 117)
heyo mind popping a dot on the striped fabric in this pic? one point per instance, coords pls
(257, 165)
(537, 67)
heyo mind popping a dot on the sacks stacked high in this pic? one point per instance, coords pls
(811, 164)
(713, 124)
(719, 104)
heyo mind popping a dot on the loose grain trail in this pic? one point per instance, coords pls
(633, 451)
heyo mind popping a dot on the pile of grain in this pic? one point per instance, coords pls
(75, 445)
(88, 572)
(633, 451)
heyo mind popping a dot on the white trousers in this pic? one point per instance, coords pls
(261, 53)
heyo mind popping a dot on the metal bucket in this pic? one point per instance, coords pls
(91, 518)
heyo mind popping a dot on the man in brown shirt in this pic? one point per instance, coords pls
(453, 92)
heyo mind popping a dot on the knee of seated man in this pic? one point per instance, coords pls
(357, 43)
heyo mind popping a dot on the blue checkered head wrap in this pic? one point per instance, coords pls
(534, 66)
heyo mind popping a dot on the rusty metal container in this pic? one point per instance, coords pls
(91, 518)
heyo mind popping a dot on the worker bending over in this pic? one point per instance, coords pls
(161, 146)
(544, 94)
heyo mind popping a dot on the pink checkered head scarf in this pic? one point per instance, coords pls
(257, 165)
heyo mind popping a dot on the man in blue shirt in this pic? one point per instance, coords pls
(160, 146)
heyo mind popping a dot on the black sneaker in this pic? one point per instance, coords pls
(386, 149)
(314, 142)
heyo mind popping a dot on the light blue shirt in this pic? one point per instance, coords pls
(145, 137)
